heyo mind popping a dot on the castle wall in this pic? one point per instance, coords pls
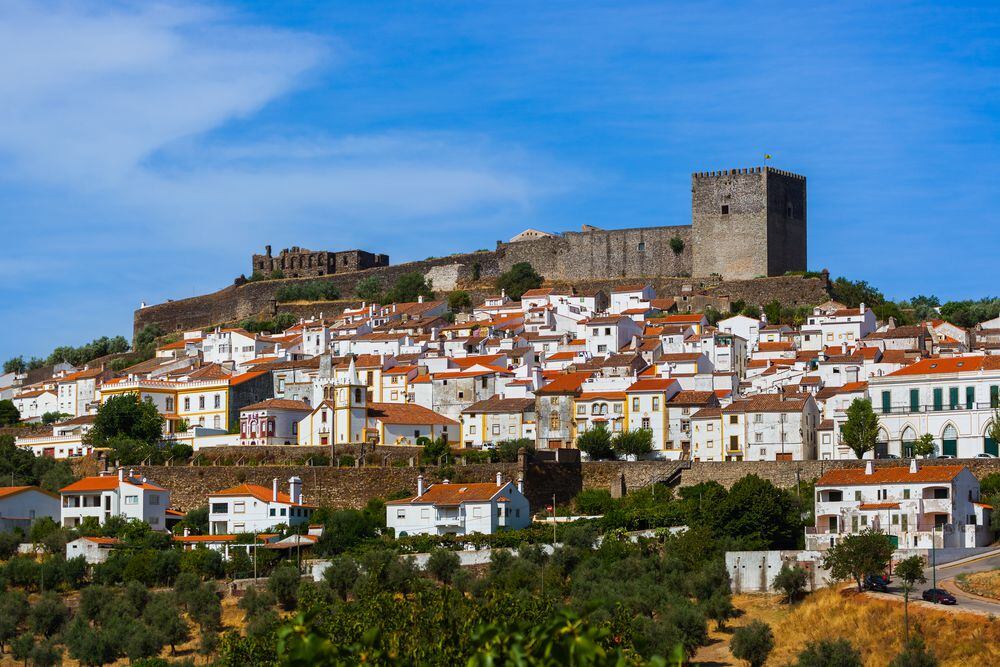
(613, 253)
(786, 223)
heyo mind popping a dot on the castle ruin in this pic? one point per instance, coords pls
(296, 262)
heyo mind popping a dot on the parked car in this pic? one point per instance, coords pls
(984, 455)
(946, 456)
(939, 596)
(876, 582)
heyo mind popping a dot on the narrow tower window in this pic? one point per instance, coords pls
(725, 209)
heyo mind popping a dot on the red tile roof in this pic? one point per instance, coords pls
(256, 491)
(279, 404)
(106, 483)
(454, 494)
(651, 384)
(943, 365)
(407, 413)
(893, 475)
(566, 383)
(8, 491)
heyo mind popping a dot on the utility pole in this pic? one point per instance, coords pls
(553, 521)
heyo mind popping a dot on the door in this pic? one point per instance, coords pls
(783, 456)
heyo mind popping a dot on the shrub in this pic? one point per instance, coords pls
(459, 300)
(369, 289)
(283, 584)
(519, 279)
(829, 653)
(313, 290)
(443, 564)
(636, 442)
(677, 245)
(791, 581)
(506, 450)
(593, 501)
(753, 643)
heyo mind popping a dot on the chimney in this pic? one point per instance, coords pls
(869, 468)
(420, 298)
(447, 481)
(499, 478)
(274, 489)
(187, 531)
(861, 308)
(520, 484)
(503, 294)
(295, 489)
(121, 474)
(420, 485)
(913, 466)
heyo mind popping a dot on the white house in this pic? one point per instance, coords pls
(770, 427)
(110, 495)
(608, 334)
(274, 421)
(93, 549)
(34, 403)
(20, 506)
(460, 509)
(631, 297)
(747, 328)
(236, 345)
(918, 506)
(77, 392)
(844, 325)
(497, 419)
(251, 508)
(952, 398)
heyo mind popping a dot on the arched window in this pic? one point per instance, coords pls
(909, 437)
(881, 444)
(949, 441)
(990, 446)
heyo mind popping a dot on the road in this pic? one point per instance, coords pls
(945, 579)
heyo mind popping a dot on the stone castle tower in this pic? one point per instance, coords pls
(748, 223)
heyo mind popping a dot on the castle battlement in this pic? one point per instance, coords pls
(746, 170)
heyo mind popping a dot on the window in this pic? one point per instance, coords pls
(154, 499)
(170, 404)
(284, 511)
(187, 404)
(220, 508)
(725, 209)
(758, 437)
(496, 429)
(734, 419)
(581, 409)
(201, 402)
(425, 513)
(477, 512)
(635, 404)
(886, 402)
(758, 418)
(656, 403)
(642, 246)
(938, 399)
(273, 511)
(239, 507)
(645, 422)
(400, 514)
(512, 429)
(461, 394)
(953, 398)
(554, 422)
(131, 500)
(906, 494)
(618, 408)
(857, 495)
(472, 429)
(218, 401)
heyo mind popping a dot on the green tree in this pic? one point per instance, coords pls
(142, 641)
(9, 414)
(753, 643)
(369, 289)
(163, 613)
(284, 584)
(409, 287)
(443, 564)
(910, 571)
(340, 575)
(459, 300)
(126, 417)
(144, 343)
(719, 608)
(791, 581)
(858, 555)
(21, 647)
(829, 653)
(596, 443)
(196, 521)
(48, 614)
(46, 654)
(13, 610)
(435, 449)
(506, 450)
(519, 279)
(633, 442)
(15, 365)
(760, 513)
(677, 244)
(915, 654)
(852, 293)
(924, 445)
(860, 431)
(90, 645)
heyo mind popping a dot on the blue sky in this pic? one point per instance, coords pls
(146, 150)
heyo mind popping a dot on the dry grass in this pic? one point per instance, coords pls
(874, 626)
(986, 584)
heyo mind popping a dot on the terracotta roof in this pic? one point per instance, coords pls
(407, 413)
(692, 318)
(708, 413)
(679, 356)
(766, 403)
(82, 419)
(689, 397)
(107, 541)
(480, 359)
(651, 384)
(240, 379)
(279, 404)
(878, 506)
(942, 365)
(893, 475)
(635, 287)
(497, 405)
(567, 355)
(256, 491)
(566, 383)
(203, 538)
(606, 319)
(602, 395)
(106, 483)
(454, 494)
(8, 491)
(81, 375)
(781, 346)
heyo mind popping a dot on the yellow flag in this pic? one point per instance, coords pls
(767, 156)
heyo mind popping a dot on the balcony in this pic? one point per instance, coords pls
(908, 409)
(448, 520)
